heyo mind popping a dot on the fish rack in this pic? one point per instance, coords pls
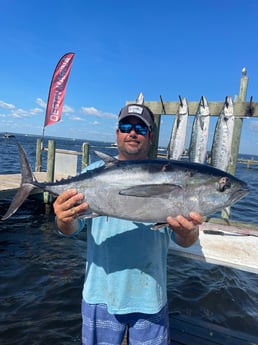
(242, 110)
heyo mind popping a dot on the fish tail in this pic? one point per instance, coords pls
(27, 185)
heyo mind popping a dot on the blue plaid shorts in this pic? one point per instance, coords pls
(101, 327)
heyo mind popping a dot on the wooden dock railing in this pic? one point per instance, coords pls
(59, 161)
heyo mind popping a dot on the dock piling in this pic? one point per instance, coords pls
(85, 155)
(38, 166)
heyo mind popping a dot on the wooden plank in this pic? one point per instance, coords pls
(241, 109)
(65, 164)
(230, 249)
(67, 152)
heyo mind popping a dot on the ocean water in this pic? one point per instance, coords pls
(42, 273)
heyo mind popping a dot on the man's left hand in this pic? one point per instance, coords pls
(186, 229)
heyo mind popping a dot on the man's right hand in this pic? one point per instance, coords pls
(68, 206)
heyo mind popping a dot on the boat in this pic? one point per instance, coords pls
(9, 135)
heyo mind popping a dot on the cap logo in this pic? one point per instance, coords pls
(135, 109)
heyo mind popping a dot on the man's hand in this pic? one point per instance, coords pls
(186, 229)
(68, 206)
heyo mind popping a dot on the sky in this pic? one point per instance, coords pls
(122, 47)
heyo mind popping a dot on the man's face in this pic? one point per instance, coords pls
(134, 143)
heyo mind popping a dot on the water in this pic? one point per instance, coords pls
(42, 273)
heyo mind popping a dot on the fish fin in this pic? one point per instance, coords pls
(89, 215)
(27, 175)
(21, 195)
(26, 187)
(150, 190)
(158, 226)
(109, 160)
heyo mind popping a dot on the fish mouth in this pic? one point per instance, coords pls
(240, 193)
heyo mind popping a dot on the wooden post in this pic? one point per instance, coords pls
(154, 148)
(51, 160)
(39, 155)
(238, 123)
(85, 155)
(50, 170)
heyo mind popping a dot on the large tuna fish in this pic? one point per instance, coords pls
(144, 191)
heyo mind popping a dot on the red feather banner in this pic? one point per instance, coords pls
(57, 89)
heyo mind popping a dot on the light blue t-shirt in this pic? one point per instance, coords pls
(126, 264)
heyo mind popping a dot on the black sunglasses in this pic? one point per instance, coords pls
(127, 127)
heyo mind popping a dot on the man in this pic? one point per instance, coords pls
(125, 280)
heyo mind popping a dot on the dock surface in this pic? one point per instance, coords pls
(227, 248)
(9, 183)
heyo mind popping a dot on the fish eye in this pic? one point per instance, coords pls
(223, 184)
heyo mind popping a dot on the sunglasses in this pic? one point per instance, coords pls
(127, 127)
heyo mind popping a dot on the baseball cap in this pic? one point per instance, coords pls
(140, 111)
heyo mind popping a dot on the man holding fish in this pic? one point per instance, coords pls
(125, 280)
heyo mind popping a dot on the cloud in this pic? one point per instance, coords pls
(35, 111)
(67, 109)
(95, 123)
(98, 113)
(41, 103)
(77, 118)
(18, 113)
(6, 105)
(21, 113)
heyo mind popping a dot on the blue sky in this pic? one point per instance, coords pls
(122, 47)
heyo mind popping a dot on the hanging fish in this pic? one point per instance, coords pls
(140, 98)
(200, 132)
(221, 155)
(177, 141)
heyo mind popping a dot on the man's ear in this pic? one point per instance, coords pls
(151, 137)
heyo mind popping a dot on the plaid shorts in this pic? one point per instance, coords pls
(101, 327)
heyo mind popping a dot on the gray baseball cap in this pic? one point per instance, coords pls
(140, 111)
